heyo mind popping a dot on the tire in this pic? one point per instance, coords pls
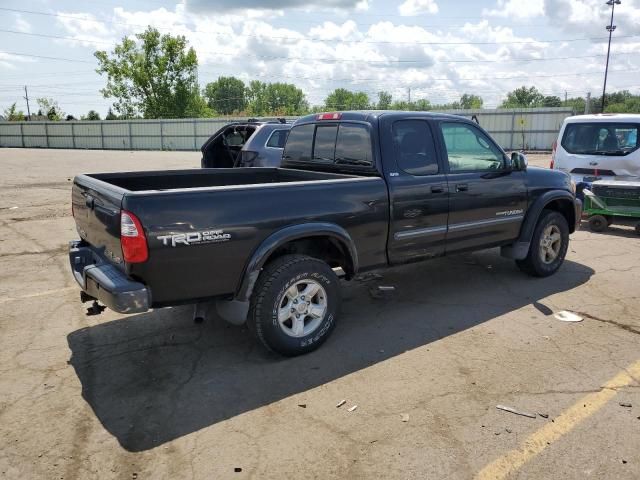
(283, 282)
(637, 229)
(598, 223)
(539, 261)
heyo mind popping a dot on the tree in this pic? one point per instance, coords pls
(70, 118)
(12, 114)
(51, 108)
(469, 101)
(551, 101)
(275, 99)
(91, 115)
(153, 76)
(343, 99)
(226, 95)
(111, 115)
(384, 100)
(523, 97)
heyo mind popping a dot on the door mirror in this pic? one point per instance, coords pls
(518, 161)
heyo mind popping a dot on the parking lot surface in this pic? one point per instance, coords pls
(157, 396)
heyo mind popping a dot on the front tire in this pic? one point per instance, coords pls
(548, 245)
(294, 305)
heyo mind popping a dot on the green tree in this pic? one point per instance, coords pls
(551, 101)
(384, 100)
(12, 114)
(111, 115)
(153, 76)
(523, 97)
(51, 108)
(91, 115)
(469, 101)
(226, 95)
(275, 99)
(343, 99)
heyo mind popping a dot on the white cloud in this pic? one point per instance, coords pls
(516, 9)
(591, 16)
(21, 25)
(418, 7)
(386, 55)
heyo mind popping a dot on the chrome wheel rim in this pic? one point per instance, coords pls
(302, 308)
(550, 244)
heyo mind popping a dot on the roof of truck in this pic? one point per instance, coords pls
(368, 115)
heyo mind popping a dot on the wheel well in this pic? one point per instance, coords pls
(566, 208)
(325, 248)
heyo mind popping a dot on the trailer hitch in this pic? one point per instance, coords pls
(95, 309)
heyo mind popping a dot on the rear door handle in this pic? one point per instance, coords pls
(437, 189)
(89, 201)
(462, 187)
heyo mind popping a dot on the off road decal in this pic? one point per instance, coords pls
(195, 238)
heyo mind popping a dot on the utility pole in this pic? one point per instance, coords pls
(610, 28)
(26, 97)
(409, 94)
(587, 104)
(565, 96)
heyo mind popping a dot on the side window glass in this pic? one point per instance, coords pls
(414, 146)
(277, 139)
(353, 145)
(469, 149)
(325, 144)
(299, 143)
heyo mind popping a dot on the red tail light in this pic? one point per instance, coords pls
(132, 239)
(553, 154)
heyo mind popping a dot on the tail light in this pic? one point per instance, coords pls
(329, 116)
(553, 154)
(132, 239)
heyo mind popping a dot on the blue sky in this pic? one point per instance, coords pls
(438, 49)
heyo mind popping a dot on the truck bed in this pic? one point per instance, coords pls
(204, 178)
(241, 206)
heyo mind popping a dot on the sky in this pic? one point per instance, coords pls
(431, 49)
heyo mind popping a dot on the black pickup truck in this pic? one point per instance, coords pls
(357, 191)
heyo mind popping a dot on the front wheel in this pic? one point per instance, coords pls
(548, 245)
(294, 305)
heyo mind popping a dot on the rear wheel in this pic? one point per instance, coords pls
(294, 305)
(548, 245)
(598, 223)
(638, 228)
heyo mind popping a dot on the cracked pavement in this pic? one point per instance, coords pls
(157, 396)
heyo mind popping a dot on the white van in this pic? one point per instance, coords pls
(595, 147)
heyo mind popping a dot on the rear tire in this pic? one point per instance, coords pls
(598, 223)
(294, 305)
(637, 228)
(548, 245)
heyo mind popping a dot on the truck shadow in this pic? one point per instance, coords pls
(155, 377)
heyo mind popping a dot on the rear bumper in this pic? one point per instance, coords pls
(101, 280)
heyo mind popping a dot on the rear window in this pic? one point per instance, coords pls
(600, 138)
(330, 144)
(277, 139)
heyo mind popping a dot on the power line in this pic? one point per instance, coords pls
(209, 32)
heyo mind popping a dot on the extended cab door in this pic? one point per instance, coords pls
(487, 200)
(417, 189)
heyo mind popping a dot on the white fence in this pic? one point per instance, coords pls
(540, 127)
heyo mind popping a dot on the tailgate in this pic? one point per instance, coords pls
(96, 210)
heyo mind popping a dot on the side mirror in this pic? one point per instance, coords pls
(518, 161)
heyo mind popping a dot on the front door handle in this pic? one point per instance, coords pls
(462, 187)
(437, 189)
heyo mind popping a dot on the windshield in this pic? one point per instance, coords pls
(600, 138)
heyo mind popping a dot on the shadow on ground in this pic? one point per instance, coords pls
(155, 377)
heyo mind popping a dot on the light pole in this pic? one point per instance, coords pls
(610, 28)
